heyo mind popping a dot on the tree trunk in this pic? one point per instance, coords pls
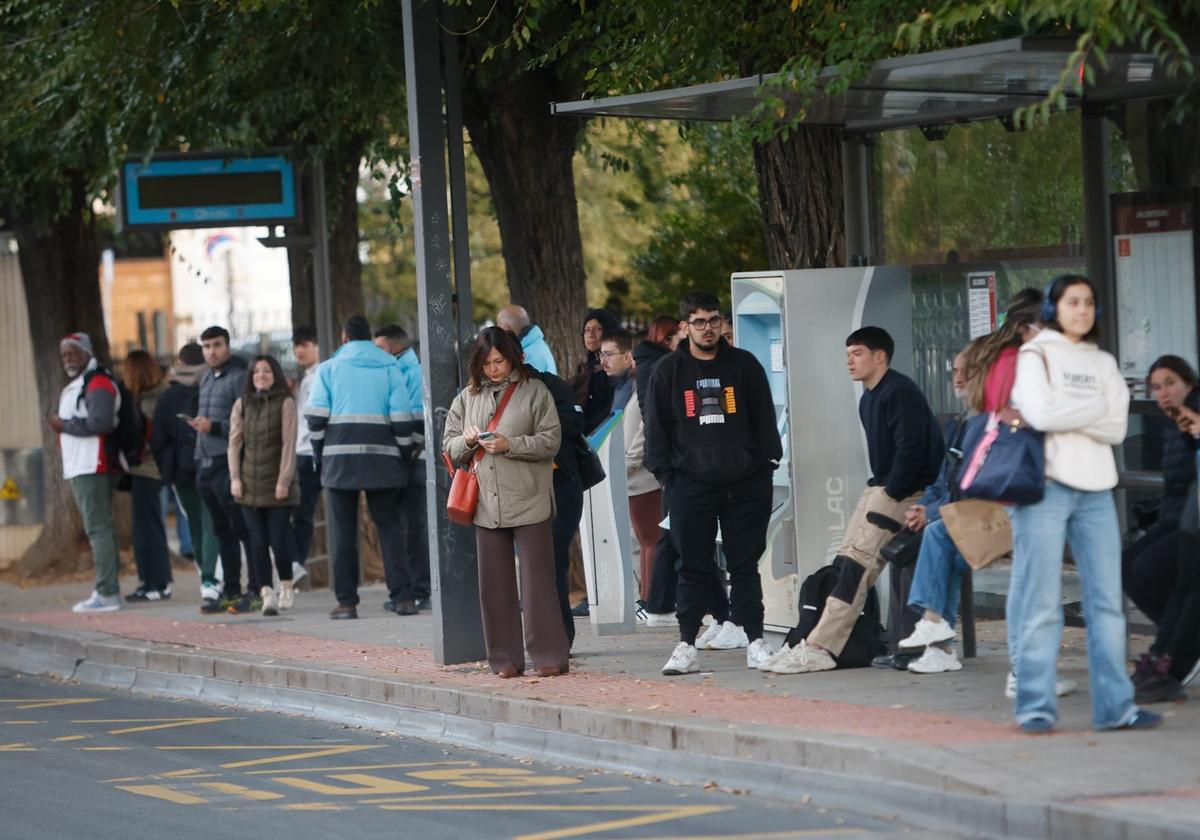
(800, 191)
(60, 272)
(527, 155)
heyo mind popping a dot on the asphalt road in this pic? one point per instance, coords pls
(96, 764)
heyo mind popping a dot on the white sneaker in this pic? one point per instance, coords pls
(710, 633)
(287, 595)
(661, 620)
(936, 660)
(803, 659)
(682, 661)
(1062, 686)
(298, 571)
(270, 602)
(769, 663)
(758, 652)
(928, 633)
(210, 593)
(730, 637)
(97, 603)
(219, 573)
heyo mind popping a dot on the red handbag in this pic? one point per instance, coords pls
(464, 484)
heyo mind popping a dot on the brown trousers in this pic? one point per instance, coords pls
(504, 607)
(645, 512)
(861, 545)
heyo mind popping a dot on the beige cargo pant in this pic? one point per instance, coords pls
(861, 546)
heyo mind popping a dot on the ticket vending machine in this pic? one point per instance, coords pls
(796, 323)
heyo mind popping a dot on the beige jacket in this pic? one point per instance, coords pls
(639, 479)
(517, 487)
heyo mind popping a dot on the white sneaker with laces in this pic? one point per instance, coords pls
(661, 620)
(758, 652)
(97, 603)
(710, 633)
(682, 661)
(769, 663)
(1062, 686)
(639, 611)
(270, 604)
(730, 637)
(298, 571)
(287, 595)
(928, 633)
(936, 660)
(803, 659)
(210, 593)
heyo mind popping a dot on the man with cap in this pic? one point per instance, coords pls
(87, 415)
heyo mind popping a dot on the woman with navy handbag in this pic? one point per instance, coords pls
(1073, 392)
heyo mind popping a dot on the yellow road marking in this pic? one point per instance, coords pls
(102, 749)
(47, 704)
(72, 737)
(23, 722)
(165, 793)
(516, 794)
(359, 784)
(191, 771)
(156, 723)
(353, 767)
(501, 777)
(319, 752)
(629, 822)
(18, 747)
(241, 790)
(313, 806)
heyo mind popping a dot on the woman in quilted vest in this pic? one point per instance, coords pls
(262, 475)
(514, 461)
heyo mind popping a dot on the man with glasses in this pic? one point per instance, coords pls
(712, 443)
(616, 357)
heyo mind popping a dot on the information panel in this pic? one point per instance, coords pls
(203, 190)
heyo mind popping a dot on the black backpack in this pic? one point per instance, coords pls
(866, 639)
(128, 439)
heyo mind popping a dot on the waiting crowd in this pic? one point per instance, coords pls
(1027, 468)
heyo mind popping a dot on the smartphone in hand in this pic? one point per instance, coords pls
(486, 435)
(185, 418)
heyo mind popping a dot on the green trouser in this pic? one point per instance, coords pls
(204, 540)
(93, 496)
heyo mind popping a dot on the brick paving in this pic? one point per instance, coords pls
(584, 687)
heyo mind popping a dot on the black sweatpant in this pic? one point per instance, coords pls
(384, 506)
(1179, 626)
(270, 533)
(664, 578)
(228, 525)
(302, 514)
(1148, 571)
(743, 510)
(568, 509)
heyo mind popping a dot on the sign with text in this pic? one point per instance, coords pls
(981, 303)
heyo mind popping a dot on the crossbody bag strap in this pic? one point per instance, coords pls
(504, 398)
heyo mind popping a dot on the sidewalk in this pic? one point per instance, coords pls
(923, 746)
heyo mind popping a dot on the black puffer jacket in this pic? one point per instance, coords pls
(172, 440)
(1179, 469)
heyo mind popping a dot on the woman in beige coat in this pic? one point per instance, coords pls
(515, 468)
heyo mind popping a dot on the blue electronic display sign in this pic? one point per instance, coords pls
(207, 190)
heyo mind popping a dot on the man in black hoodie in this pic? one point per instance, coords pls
(712, 443)
(905, 450)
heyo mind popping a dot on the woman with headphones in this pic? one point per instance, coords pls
(1073, 392)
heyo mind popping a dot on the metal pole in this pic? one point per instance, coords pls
(322, 293)
(857, 210)
(1097, 221)
(454, 577)
(458, 197)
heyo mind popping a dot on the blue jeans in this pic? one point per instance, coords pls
(937, 578)
(1088, 521)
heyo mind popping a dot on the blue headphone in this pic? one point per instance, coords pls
(1049, 310)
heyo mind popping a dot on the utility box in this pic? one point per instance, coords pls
(796, 324)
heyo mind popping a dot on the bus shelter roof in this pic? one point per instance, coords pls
(934, 88)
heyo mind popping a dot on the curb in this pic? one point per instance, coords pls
(757, 760)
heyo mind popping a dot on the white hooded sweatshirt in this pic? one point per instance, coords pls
(1076, 395)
